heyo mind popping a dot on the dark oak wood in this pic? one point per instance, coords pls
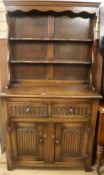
(58, 6)
(50, 103)
(100, 138)
(3, 83)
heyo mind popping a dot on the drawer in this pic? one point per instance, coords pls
(27, 109)
(72, 109)
(50, 109)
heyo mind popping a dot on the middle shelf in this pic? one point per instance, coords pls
(89, 40)
(50, 62)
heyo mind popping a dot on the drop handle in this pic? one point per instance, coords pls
(40, 140)
(27, 109)
(57, 141)
(71, 110)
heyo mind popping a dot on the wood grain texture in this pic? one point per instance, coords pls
(3, 25)
(57, 6)
(3, 83)
(3, 63)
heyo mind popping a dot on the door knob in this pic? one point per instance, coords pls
(53, 136)
(45, 135)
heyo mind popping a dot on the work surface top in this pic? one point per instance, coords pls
(91, 1)
(53, 91)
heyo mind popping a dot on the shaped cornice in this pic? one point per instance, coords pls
(78, 6)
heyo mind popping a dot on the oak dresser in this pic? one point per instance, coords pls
(50, 103)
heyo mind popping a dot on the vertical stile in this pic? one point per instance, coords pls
(50, 53)
(93, 50)
(49, 134)
(40, 135)
(49, 110)
(9, 50)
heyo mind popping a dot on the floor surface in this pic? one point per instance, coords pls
(4, 171)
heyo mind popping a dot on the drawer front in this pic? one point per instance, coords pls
(72, 109)
(27, 109)
(50, 109)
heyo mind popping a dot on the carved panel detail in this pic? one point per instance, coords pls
(74, 109)
(26, 141)
(28, 110)
(45, 110)
(71, 142)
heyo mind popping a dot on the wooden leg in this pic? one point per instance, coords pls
(9, 168)
(99, 155)
(88, 167)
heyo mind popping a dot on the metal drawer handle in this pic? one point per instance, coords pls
(57, 141)
(40, 140)
(27, 109)
(71, 110)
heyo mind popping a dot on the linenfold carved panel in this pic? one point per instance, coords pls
(26, 141)
(71, 148)
(71, 140)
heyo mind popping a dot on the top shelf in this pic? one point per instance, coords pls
(50, 39)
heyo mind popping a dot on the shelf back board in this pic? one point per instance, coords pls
(50, 41)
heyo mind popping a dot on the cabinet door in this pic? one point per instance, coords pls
(71, 143)
(26, 141)
(32, 141)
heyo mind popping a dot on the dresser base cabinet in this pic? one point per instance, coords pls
(49, 132)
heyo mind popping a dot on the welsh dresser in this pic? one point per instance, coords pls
(50, 103)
